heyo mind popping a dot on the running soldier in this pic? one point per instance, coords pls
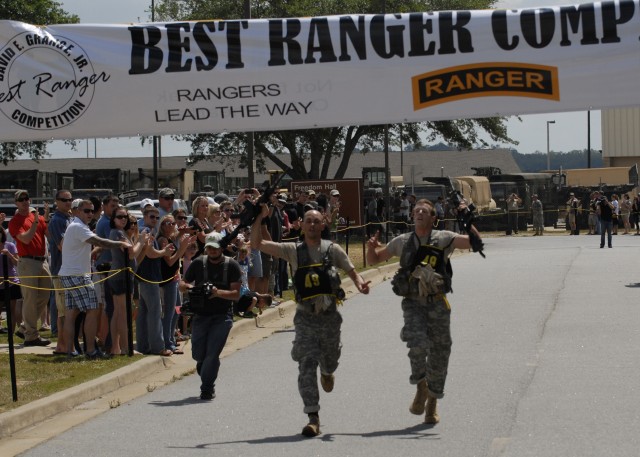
(423, 280)
(317, 321)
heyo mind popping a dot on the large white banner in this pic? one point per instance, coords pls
(78, 81)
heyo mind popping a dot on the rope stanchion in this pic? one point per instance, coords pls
(129, 308)
(7, 306)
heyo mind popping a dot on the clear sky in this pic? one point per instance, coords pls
(568, 133)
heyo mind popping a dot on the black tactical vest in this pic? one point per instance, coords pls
(313, 280)
(414, 254)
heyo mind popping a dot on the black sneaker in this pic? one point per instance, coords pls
(248, 315)
(37, 342)
(19, 334)
(97, 354)
(207, 395)
(4, 330)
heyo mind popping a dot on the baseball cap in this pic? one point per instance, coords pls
(311, 192)
(76, 203)
(166, 191)
(310, 206)
(335, 193)
(20, 193)
(571, 194)
(146, 202)
(213, 240)
(221, 197)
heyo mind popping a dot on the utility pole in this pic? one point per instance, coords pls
(250, 136)
(589, 139)
(156, 139)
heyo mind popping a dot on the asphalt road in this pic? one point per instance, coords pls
(544, 363)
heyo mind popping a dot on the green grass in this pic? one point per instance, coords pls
(39, 375)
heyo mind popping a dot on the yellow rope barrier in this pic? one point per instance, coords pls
(13, 280)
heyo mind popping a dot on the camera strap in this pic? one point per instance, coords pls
(225, 269)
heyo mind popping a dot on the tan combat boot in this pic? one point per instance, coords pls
(431, 416)
(417, 407)
(313, 427)
(327, 381)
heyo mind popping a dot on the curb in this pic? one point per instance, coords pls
(37, 411)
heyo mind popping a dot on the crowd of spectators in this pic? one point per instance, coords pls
(158, 248)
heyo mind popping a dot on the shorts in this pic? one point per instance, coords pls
(60, 296)
(118, 285)
(80, 293)
(255, 266)
(14, 293)
(267, 265)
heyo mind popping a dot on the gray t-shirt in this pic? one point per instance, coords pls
(339, 258)
(118, 254)
(442, 239)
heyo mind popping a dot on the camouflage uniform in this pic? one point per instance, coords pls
(426, 327)
(427, 334)
(317, 343)
(317, 325)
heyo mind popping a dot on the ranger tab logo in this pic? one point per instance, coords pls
(485, 80)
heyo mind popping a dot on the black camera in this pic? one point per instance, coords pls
(466, 219)
(197, 301)
(457, 198)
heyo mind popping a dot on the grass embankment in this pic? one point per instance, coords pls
(41, 375)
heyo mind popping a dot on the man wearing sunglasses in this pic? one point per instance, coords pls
(166, 197)
(29, 230)
(103, 264)
(60, 219)
(75, 276)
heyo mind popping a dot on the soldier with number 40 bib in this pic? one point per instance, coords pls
(423, 280)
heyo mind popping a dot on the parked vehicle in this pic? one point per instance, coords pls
(135, 209)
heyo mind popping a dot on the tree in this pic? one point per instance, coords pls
(325, 145)
(40, 12)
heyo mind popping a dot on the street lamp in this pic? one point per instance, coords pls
(548, 156)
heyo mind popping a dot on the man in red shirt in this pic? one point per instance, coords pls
(29, 230)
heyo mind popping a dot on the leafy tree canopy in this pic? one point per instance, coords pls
(289, 149)
(38, 12)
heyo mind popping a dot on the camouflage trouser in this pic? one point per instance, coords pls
(317, 342)
(428, 336)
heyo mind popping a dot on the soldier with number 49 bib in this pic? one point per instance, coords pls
(318, 292)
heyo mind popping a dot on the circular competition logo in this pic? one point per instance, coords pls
(46, 82)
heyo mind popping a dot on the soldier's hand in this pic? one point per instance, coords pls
(363, 287)
(373, 241)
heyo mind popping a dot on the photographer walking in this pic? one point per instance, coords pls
(422, 281)
(217, 279)
(317, 320)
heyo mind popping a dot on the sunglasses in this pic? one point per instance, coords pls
(133, 222)
(228, 210)
(122, 216)
(66, 200)
(22, 199)
(182, 218)
(168, 223)
(88, 211)
(169, 197)
(153, 216)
